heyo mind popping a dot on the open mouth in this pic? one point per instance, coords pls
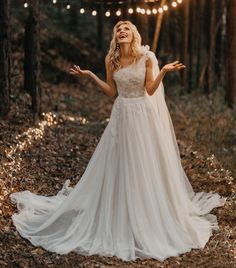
(122, 36)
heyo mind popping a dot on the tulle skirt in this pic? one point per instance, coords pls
(134, 199)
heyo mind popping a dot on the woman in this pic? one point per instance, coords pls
(134, 200)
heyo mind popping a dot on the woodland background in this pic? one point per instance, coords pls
(51, 121)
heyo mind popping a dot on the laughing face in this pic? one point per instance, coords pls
(124, 34)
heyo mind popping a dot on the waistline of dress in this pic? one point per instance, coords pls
(131, 99)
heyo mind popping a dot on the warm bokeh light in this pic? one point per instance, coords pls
(130, 10)
(108, 13)
(174, 4)
(82, 10)
(94, 12)
(142, 11)
(165, 7)
(118, 13)
(154, 11)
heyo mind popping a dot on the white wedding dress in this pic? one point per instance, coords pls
(134, 199)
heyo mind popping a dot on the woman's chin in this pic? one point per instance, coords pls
(125, 41)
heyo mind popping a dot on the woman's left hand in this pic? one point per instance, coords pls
(173, 66)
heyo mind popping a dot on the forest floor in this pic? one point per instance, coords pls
(40, 156)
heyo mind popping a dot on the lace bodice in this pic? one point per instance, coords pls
(130, 80)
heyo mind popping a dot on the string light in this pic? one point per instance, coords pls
(165, 7)
(138, 9)
(118, 13)
(108, 13)
(82, 11)
(174, 4)
(154, 11)
(130, 10)
(143, 11)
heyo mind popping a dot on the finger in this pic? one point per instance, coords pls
(175, 62)
(179, 65)
(73, 72)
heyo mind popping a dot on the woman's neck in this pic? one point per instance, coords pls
(125, 50)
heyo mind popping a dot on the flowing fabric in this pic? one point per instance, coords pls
(134, 199)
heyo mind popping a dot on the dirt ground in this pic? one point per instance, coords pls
(40, 156)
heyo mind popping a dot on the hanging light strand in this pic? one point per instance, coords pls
(152, 7)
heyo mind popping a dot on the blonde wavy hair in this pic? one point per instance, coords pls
(113, 55)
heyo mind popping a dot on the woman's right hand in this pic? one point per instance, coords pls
(78, 72)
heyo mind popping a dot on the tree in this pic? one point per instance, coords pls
(186, 44)
(158, 28)
(211, 48)
(4, 58)
(231, 83)
(32, 61)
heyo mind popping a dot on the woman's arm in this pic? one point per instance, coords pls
(108, 87)
(151, 83)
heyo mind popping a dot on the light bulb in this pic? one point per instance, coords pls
(130, 10)
(108, 13)
(154, 11)
(142, 11)
(165, 7)
(174, 4)
(118, 13)
(82, 10)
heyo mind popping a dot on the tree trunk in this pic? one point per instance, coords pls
(220, 50)
(211, 49)
(32, 61)
(185, 56)
(231, 83)
(192, 46)
(100, 23)
(4, 58)
(158, 28)
(200, 41)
